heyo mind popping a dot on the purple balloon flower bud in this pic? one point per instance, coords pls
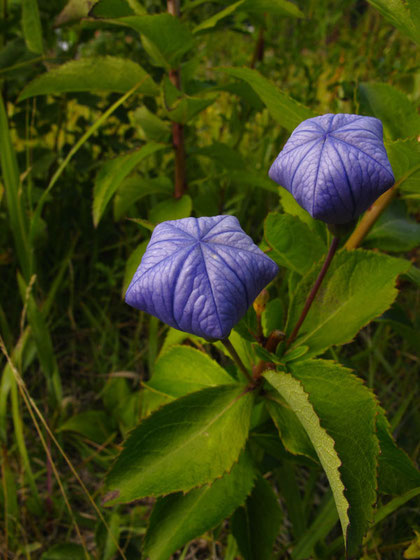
(200, 275)
(335, 166)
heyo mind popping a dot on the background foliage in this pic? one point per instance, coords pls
(88, 168)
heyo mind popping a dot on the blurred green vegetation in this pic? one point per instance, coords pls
(80, 350)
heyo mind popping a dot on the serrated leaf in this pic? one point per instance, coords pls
(398, 115)
(285, 110)
(213, 20)
(255, 525)
(182, 370)
(106, 73)
(405, 15)
(178, 518)
(396, 472)
(31, 25)
(113, 172)
(186, 443)
(292, 433)
(165, 37)
(293, 244)
(358, 287)
(338, 413)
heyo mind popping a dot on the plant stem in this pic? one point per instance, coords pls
(314, 291)
(369, 218)
(259, 49)
(235, 357)
(177, 128)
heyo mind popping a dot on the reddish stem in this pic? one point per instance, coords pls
(331, 252)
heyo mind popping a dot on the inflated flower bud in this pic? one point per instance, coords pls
(200, 275)
(335, 166)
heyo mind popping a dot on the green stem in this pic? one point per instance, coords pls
(235, 357)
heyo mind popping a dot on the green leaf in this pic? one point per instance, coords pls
(152, 126)
(256, 525)
(186, 443)
(223, 154)
(338, 413)
(106, 73)
(358, 287)
(251, 178)
(404, 14)
(94, 425)
(272, 7)
(292, 433)
(398, 115)
(293, 244)
(74, 10)
(43, 342)
(171, 209)
(285, 110)
(132, 264)
(182, 370)
(273, 316)
(12, 187)
(178, 518)
(134, 188)
(396, 472)
(117, 9)
(113, 172)
(64, 552)
(31, 25)
(404, 156)
(325, 520)
(165, 37)
(179, 107)
(394, 231)
(213, 20)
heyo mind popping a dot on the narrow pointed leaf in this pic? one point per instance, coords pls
(213, 20)
(31, 24)
(11, 181)
(187, 443)
(352, 294)
(285, 110)
(106, 73)
(405, 15)
(337, 410)
(178, 518)
(113, 172)
(293, 392)
(292, 433)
